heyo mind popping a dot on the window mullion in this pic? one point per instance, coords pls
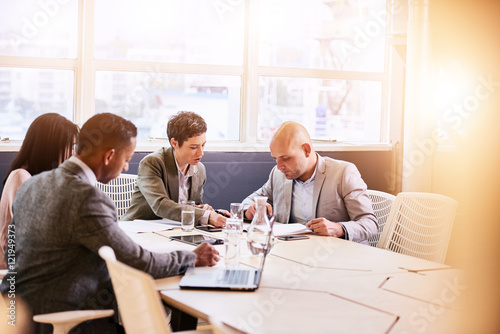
(293, 72)
(165, 67)
(38, 63)
(252, 74)
(85, 85)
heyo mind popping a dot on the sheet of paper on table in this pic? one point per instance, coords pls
(280, 230)
(145, 226)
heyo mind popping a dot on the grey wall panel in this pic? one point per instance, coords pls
(6, 159)
(231, 176)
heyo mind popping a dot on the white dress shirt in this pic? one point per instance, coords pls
(185, 187)
(302, 200)
(86, 169)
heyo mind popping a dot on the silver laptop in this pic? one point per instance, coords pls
(223, 279)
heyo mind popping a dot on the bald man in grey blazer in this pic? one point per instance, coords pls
(328, 196)
(61, 220)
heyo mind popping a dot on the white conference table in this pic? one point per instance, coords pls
(324, 285)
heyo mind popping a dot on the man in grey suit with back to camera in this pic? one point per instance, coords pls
(328, 196)
(61, 220)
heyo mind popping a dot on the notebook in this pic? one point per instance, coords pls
(223, 279)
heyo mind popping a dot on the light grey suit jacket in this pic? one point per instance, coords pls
(61, 221)
(339, 195)
(156, 194)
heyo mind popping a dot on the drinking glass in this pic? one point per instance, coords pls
(187, 216)
(232, 235)
(236, 210)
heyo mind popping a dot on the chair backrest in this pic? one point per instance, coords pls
(381, 204)
(120, 191)
(419, 225)
(139, 302)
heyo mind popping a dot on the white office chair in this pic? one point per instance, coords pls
(381, 204)
(419, 225)
(120, 191)
(139, 302)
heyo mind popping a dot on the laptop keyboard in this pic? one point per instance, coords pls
(234, 276)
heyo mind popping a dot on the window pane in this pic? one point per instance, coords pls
(149, 99)
(28, 93)
(35, 28)
(188, 31)
(338, 35)
(329, 109)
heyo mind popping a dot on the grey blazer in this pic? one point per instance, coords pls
(156, 194)
(61, 221)
(339, 196)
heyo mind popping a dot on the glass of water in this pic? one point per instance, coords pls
(236, 210)
(187, 216)
(232, 235)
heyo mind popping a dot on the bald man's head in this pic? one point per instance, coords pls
(291, 133)
(291, 147)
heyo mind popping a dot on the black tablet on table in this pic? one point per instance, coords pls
(197, 239)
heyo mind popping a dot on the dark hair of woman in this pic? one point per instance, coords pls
(48, 142)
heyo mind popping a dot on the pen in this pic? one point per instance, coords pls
(222, 213)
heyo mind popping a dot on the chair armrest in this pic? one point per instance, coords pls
(64, 321)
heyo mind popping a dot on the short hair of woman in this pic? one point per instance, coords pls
(48, 142)
(184, 125)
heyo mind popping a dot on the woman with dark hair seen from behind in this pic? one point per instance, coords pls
(48, 142)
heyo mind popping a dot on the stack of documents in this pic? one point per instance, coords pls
(280, 230)
(145, 226)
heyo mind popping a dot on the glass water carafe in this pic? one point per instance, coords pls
(260, 235)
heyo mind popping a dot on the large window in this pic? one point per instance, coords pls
(186, 31)
(337, 35)
(344, 110)
(26, 93)
(335, 41)
(246, 66)
(38, 45)
(149, 98)
(32, 28)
